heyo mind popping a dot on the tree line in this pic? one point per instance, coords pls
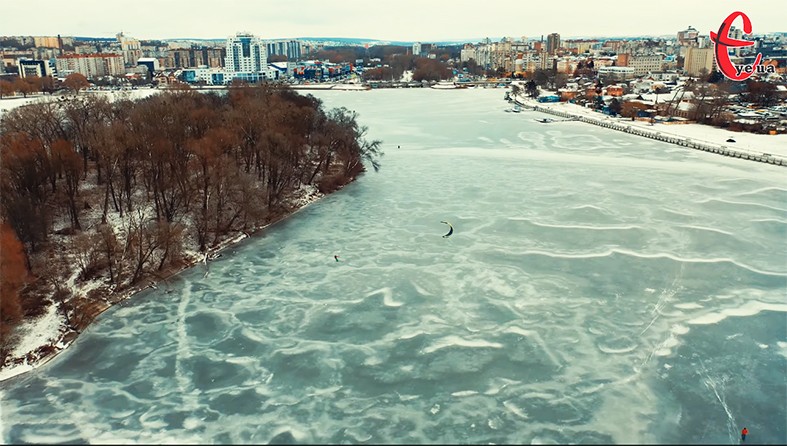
(74, 82)
(180, 170)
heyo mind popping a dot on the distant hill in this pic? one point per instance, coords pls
(362, 41)
(343, 41)
(95, 39)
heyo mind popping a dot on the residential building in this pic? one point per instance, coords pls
(205, 75)
(86, 49)
(553, 43)
(246, 60)
(466, 53)
(567, 65)
(614, 90)
(151, 63)
(615, 73)
(417, 49)
(688, 36)
(481, 54)
(212, 57)
(580, 46)
(644, 64)
(181, 59)
(10, 58)
(90, 65)
(34, 68)
(45, 53)
(289, 48)
(502, 55)
(698, 61)
(246, 54)
(46, 41)
(131, 49)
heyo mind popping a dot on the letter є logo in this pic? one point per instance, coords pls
(723, 41)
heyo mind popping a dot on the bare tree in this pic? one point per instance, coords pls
(76, 82)
(112, 251)
(13, 275)
(142, 242)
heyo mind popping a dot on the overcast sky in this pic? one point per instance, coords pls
(401, 20)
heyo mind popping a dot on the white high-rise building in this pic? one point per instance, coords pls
(246, 54)
(417, 49)
(247, 60)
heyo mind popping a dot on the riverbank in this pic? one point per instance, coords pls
(770, 149)
(41, 339)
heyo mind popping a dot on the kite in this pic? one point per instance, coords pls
(450, 229)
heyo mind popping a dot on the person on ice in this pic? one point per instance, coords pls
(336, 257)
(744, 433)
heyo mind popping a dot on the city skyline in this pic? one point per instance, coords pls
(405, 20)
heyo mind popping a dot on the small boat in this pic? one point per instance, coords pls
(351, 86)
(445, 85)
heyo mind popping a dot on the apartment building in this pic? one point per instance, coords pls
(698, 61)
(90, 65)
(417, 49)
(246, 54)
(688, 36)
(130, 48)
(288, 48)
(614, 73)
(46, 41)
(642, 63)
(246, 60)
(581, 46)
(34, 68)
(553, 43)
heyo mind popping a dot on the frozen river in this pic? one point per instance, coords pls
(598, 288)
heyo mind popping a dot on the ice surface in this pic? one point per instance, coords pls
(598, 288)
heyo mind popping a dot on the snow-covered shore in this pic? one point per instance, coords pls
(751, 143)
(10, 102)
